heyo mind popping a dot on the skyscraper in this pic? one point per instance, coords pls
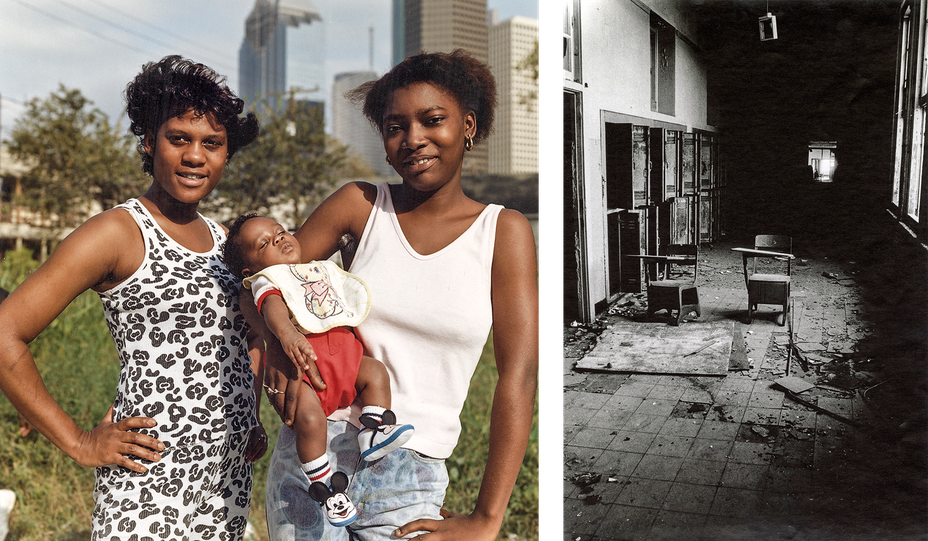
(444, 25)
(399, 31)
(436, 26)
(513, 147)
(282, 54)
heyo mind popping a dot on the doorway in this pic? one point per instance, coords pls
(822, 160)
(576, 304)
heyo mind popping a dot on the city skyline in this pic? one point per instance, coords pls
(97, 46)
(267, 70)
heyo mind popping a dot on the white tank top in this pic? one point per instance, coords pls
(429, 320)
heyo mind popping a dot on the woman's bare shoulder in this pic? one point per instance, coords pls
(110, 224)
(343, 212)
(355, 192)
(349, 206)
(515, 247)
(513, 225)
(107, 247)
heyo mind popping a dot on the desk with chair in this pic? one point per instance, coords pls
(673, 286)
(768, 285)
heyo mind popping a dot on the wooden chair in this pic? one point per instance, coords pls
(764, 276)
(676, 288)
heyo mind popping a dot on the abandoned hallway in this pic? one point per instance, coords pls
(660, 456)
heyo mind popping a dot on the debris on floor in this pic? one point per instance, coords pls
(794, 384)
(809, 428)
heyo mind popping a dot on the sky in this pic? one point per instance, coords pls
(98, 46)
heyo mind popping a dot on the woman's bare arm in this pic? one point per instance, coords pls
(98, 253)
(345, 211)
(257, 439)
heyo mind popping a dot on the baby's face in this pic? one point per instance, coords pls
(265, 242)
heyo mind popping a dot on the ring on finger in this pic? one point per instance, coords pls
(271, 390)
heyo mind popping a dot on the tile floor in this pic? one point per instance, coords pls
(662, 457)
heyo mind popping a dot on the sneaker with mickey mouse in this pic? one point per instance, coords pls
(339, 510)
(381, 435)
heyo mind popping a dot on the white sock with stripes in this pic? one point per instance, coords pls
(318, 470)
(373, 412)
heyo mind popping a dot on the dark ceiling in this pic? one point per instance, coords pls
(829, 75)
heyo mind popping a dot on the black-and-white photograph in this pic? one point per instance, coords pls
(744, 264)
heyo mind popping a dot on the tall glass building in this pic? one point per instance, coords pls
(282, 55)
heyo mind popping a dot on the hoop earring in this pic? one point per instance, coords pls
(388, 161)
(468, 142)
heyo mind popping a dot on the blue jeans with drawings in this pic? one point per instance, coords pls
(389, 492)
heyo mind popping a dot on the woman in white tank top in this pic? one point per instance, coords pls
(443, 270)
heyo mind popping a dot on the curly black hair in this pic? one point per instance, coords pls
(467, 79)
(231, 250)
(171, 87)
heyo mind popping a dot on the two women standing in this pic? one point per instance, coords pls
(173, 457)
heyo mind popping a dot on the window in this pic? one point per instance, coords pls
(911, 110)
(822, 160)
(663, 65)
(571, 41)
(902, 83)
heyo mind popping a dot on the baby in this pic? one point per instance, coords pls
(309, 308)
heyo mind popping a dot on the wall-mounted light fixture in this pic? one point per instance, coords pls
(768, 27)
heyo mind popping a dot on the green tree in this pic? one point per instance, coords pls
(529, 65)
(291, 163)
(75, 157)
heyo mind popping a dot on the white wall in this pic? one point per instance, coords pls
(615, 59)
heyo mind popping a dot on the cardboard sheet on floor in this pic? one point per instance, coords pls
(794, 384)
(739, 350)
(692, 348)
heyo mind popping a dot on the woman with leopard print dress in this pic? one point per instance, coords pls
(173, 456)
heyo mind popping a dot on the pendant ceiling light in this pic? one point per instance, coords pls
(767, 26)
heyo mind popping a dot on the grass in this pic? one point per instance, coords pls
(465, 466)
(78, 361)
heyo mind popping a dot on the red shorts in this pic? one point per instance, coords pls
(338, 359)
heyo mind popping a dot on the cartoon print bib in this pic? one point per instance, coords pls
(319, 294)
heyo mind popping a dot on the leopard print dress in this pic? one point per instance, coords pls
(184, 362)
